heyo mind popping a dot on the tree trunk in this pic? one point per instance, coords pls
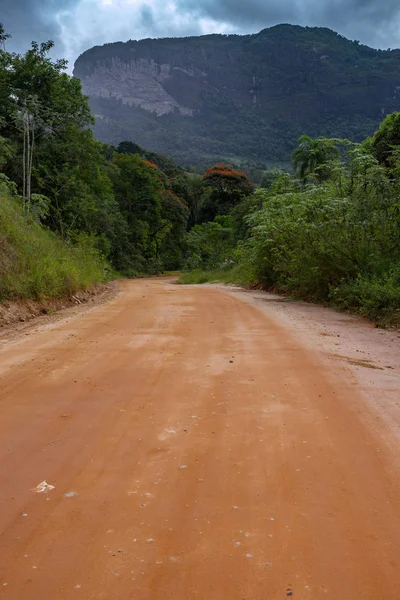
(24, 163)
(28, 160)
(30, 163)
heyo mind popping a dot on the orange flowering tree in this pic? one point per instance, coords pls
(228, 187)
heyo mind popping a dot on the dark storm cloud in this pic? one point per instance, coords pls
(76, 25)
(147, 16)
(374, 22)
(28, 20)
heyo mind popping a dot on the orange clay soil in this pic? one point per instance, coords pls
(200, 447)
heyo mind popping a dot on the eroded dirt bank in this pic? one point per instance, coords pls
(199, 447)
(20, 313)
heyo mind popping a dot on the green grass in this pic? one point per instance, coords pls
(239, 275)
(37, 264)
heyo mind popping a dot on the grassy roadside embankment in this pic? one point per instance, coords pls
(35, 264)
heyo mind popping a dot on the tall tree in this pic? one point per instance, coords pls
(385, 143)
(312, 157)
(40, 102)
(228, 187)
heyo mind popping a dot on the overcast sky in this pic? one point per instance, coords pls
(76, 25)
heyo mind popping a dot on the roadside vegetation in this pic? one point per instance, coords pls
(328, 233)
(36, 264)
(75, 211)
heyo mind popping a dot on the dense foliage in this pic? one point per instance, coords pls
(129, 205)
(35, 263)
(330, 234)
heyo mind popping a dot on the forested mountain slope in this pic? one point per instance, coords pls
(238, 97)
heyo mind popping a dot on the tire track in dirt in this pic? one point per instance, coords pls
(205, 454)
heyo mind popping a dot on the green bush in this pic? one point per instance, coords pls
(320, 238)
(377, 298)
(211, 244)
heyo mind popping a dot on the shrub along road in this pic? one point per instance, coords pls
(197, 450)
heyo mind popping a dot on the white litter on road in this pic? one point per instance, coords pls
(43, 487)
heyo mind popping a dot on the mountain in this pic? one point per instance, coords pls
(245, 98)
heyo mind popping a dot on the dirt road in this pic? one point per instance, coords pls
(197, 451)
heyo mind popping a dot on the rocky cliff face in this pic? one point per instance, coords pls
(243, 98)
(135, 83)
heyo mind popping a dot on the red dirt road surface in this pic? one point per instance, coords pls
(197, 450)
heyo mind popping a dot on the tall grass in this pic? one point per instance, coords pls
(36, 264)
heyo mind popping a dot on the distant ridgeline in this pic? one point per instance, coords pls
(244, 99)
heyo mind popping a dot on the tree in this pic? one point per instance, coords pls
(386, 140)
(40, 102)
(228, 187)
(165, 164)
(312, 157)
(269, 177)
(6, 101)
(3, 37)
(175, 212)
(138, 189)
(28, 120)
(5, 151)
(73, 173)
(211, 244)
(198, 193)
